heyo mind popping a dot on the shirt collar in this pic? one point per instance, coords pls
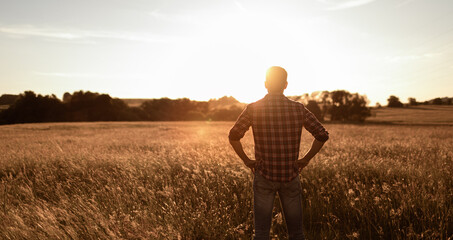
(274, 96)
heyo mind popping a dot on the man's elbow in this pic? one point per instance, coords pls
(233, 141)
(234, 138)
(322, 138)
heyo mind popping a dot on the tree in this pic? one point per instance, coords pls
(437, 101)
(165, 109)
(225, 114)
(345, 106)
(30, 108)
(67, 97)
(340, 105)
(89, 106)
(8, 99)
(338, 110)
(412, 101)
(326, 102)
(394, 102)
(313, 107)
(348, 107)
(358, 111)
(224, 102)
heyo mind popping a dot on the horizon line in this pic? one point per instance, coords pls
(214, 98)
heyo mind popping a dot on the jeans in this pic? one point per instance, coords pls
(263, 202)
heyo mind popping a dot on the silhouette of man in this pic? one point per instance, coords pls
(277, 124)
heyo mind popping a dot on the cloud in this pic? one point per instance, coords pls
(39, 32)
(77, 35)
(345, 4)
(408, 58)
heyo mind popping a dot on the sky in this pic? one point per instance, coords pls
(203, 49)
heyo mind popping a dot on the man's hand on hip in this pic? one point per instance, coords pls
(250, 164)
(237, 146)
(302, 163)
(314, 149)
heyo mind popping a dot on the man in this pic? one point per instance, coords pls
(277, 124)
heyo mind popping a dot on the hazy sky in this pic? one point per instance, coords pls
(204, 49)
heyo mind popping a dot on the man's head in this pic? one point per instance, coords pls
(276, 79)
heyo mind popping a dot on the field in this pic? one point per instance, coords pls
(177, 180)
(420, 115)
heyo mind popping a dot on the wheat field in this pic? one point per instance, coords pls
(182, 180)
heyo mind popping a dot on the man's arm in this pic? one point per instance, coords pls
(237, 146)
(320, 134)
(314, 149)
(237, 132)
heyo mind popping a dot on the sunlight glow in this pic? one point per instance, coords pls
(226, 67)
(233, 57)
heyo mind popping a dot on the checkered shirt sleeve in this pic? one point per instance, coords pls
(241, 126)
(313, 126)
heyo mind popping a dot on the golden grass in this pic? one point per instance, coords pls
(183, 181)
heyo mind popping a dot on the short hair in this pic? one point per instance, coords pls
(276, 78)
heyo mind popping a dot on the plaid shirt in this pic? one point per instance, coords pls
(277, 127)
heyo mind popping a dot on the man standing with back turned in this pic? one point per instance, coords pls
(277, 126)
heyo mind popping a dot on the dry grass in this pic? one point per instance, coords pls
(182, 180)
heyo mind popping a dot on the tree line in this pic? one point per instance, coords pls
(29, 107)
(394, 102)
(81, 106)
